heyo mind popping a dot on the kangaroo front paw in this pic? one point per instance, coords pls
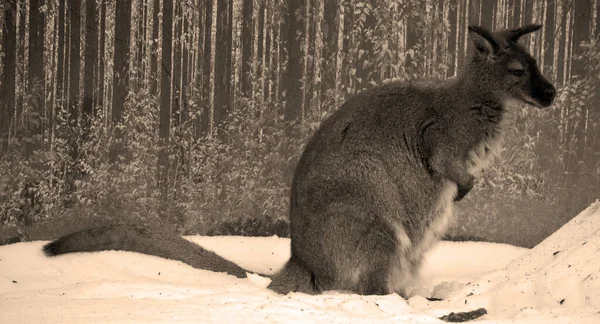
(463, 189)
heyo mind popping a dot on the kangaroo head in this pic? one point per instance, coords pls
(505, 68)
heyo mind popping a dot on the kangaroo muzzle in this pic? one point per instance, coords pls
(543, 92)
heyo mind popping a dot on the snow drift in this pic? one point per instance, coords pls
(557, 282)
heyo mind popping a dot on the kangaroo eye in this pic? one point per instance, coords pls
(517, 72)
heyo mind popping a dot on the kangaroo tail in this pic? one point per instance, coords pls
(143, 240)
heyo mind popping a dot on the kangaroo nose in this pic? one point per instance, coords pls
(550, 93)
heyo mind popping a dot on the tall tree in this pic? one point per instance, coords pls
(121, 67)
(260, 42)
(154, 71)
(452, 35)
(581, 32)
(90, 59)
(268, 35)
(207, 68)
(50, 107)
(60, 62)
(36, 58)
(223, 49)
(140, 42)
(308, 54)
(101, 55)
(330, 46)
(21, 60)
(74, 65)
(291, 80)
(595, 29)
(275, 55)
(176, 63)
(558, 32)
(549, 35)
(318, 53)
(199, 69)
(247, 28)
(185, 76)
(165, 101)
(9, 64)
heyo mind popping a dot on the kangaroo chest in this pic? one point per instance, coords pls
(482, 155)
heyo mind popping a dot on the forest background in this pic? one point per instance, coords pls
(193, 113)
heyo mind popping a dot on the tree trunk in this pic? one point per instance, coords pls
(176, 64)
(308, 55)
(74, 11)
(568, 44)
(330, 47)
(275, 55)
(230, 60)
(364, 60)
(101, 85)
(266, 69)
(413, 34)
(184, 67)
(9, 64)
(206, 119)
(581, 33)
(596, 16)
(557, 50)
(36, 44)
(21, 82)
(50, 106)
(487, 15)
(549, 24)
(581, 25)
(247, 28)
(91, 52)
(36, 80)
(74, 65)
(200, 68)
(60, 63)
(452, 45)
(165, 104)
(222, 63)
(141, 44)
(154, 72)
(67, 53)
(260, 68)
(291, 81)
(121, 71)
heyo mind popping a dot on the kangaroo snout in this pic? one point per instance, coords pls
(542, 91)
(550, 93)
(547, 95)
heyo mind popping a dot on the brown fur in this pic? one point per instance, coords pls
(375, 186)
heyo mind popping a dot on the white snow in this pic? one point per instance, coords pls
(515, 285)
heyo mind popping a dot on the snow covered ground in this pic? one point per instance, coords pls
(556, 282)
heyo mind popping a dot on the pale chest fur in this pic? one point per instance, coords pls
(484, 153)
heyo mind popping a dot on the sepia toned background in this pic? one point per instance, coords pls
(193, 113)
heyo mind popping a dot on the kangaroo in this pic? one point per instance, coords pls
(374, 189)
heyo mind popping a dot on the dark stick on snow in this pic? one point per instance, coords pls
(464, 316)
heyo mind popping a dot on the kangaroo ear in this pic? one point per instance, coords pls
(513, 35)
(485, 43)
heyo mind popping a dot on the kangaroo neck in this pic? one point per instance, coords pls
(474, 92)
